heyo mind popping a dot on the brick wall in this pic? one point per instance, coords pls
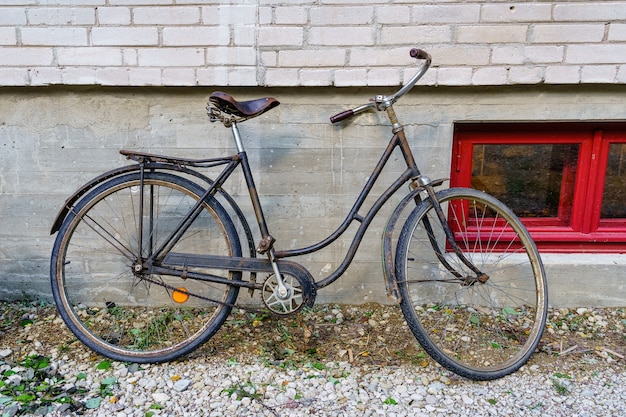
(297, 43)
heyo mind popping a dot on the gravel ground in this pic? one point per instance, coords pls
(356, 370)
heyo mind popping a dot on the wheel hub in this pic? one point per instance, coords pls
(471, 280)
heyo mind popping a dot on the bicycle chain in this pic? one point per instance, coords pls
(248, 309)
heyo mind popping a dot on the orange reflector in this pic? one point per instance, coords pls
(180, 295)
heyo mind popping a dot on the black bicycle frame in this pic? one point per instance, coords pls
(160, 258)
(411, 172)
(240, 159)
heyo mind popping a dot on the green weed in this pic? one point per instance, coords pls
(390, 401)
(559, 386)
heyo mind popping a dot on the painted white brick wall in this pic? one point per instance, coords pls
(297, 43)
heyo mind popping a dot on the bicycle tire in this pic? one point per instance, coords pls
(479, 330)
(134, 317)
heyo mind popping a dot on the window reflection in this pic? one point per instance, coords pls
(613, 201)
(534, 180)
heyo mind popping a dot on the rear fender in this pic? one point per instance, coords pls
(74, 198)
(78, 194)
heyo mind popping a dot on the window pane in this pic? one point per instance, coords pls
(613, 203)
(534, 180)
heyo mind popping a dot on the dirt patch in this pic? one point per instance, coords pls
(581, 339)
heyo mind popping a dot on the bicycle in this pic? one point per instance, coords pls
(150, 257)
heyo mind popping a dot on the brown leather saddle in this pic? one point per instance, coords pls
(246, 109)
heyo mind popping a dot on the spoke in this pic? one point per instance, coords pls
(109, 237)
(479, 329)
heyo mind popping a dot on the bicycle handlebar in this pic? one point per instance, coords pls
(415, 53)
(419, 54)
(349, 113)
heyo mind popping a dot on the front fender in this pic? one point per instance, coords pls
(389, 261)
(389, 264)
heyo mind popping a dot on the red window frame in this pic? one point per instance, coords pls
(581, 230)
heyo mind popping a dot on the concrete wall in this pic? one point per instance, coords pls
(309, 172)
(81, 79)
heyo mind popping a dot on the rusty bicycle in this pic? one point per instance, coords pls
(150, 257)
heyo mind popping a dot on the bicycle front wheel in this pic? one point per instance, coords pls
(100, 289)
(477, 304)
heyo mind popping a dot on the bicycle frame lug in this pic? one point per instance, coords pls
(265, 244)
(423, 181)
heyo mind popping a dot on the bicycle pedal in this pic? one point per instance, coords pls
(253, 276)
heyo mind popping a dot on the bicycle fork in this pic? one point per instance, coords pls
(480, 276)
(422, 181)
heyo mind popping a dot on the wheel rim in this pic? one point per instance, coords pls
(479, 329)
(112, 304)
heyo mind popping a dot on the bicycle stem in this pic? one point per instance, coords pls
(395, 124)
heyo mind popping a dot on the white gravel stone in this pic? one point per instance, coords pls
(182, 384)
(212, 387)
(160, 397)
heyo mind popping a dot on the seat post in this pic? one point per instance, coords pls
(237, 136)
(266, 245)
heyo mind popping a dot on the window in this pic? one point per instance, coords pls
(566, 181)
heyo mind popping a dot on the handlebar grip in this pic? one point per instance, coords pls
(342, 116)
(419, 53)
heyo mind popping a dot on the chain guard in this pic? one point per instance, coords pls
(298, 278)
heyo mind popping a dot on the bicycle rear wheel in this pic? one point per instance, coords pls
(480, 323)
(102, 295)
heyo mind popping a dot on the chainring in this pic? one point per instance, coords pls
(300, 293)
